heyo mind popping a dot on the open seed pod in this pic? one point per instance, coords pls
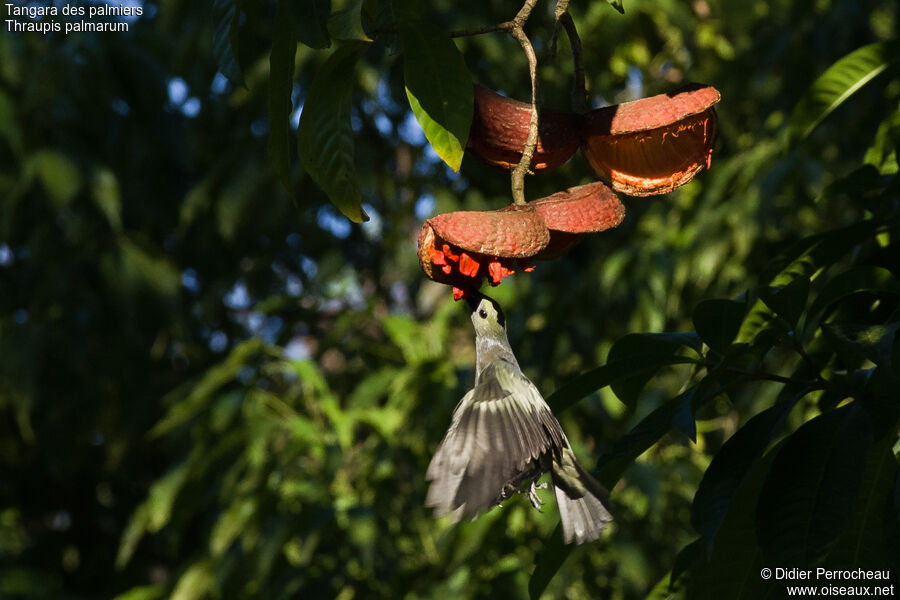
(576, 211)
(500, 128)
(653, 145)
(463, 248)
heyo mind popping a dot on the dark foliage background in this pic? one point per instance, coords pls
(209, 388)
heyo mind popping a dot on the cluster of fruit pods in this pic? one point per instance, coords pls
(641, 148)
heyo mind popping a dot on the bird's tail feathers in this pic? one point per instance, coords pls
(581, 499)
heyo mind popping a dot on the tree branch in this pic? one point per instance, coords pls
(580, 103)
(517, 178)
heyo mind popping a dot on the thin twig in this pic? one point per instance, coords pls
(562, 8)
(579, 90)
(505, 27)
(517, 178)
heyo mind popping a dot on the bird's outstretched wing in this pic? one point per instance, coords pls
(498, 428)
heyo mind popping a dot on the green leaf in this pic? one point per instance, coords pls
(840, 81)
(548, 563)
(651, 350)
(864, 541)
(856, 279)
(106, 195)
(143, 592)
(874, 342)
(730, 467)
(810, 491)
(718, 322)
(596, 379)
(59, 176)
(788, 301)
(198, 581)
(226, 22)
(673, 584)
(346, 24)
(809, 255)
(439, 88)
(310, 20)
(325, 136)
(882, 154)
(617, 4)
(732, 571)
(230, 525)
(281, 84)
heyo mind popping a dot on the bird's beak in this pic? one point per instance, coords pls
(473, 299)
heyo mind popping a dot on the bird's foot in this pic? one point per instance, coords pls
(533, 495)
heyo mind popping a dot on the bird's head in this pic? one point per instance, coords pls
(487, 316)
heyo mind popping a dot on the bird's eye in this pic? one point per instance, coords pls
(482, 313)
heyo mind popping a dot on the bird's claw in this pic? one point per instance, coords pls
(536, 501)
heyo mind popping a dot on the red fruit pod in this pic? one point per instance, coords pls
(583, 209)
(500, 129)
(461, 248)
(653, 145)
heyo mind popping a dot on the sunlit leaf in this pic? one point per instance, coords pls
(281, 84)
(882, 154)
(439, 88)
(618, 5)
(226, 21)
(325, 136)
(310, 20)
(810, 491)
(143, 592)
(197, 581)
(839, 82)
(874, 342)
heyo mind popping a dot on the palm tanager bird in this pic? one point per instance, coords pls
(504, 437)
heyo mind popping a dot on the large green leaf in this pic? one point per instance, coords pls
(788, 301)
(439, 88)
(810, 491)
(864, 541)
(874, 342)
(730, 467)
(809, 255)
(325, 136)
(347, 23)
(281, 83)
(602, 376)
(653, 351)
(310, 21)
(840, 81)
(226, 22)
(718, 321)
(732, 571)
(856, 279)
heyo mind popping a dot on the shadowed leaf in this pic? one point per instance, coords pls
(325, 136)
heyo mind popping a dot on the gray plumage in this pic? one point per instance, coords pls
(503, 437)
